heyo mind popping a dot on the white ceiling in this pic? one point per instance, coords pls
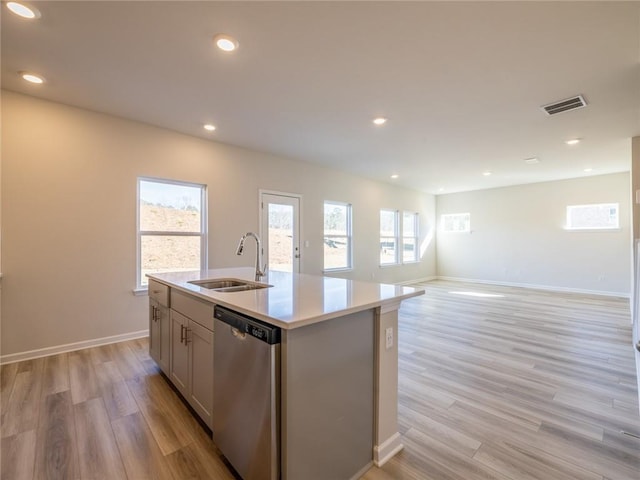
(461, 83)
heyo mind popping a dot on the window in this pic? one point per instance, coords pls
(456, 222)
(337, 236)
(409, 237)
(172, 223)
(388, 237)
(600, 216)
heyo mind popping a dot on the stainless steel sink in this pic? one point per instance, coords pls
(218, 283)
(228, 285)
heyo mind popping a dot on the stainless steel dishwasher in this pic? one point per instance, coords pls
(246, 386)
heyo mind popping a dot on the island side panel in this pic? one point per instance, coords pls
(388, 441)
(327, 398)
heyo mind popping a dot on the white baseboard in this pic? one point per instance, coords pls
(384, 452)
(70, 347)
(419, 280)
(537, 287)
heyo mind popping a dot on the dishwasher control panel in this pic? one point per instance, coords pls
(255, 328)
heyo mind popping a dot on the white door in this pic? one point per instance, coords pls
(280, 231)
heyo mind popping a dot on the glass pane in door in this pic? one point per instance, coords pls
(281, 237)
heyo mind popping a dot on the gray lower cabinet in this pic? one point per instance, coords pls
(159, 325)
(159, 334)
(179, 352)
(191, 369)
(201, 371)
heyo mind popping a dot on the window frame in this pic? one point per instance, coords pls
(443, 223)
(202, 234)
(571, 228)
(349, 235)
(415, 237)
(396, 237)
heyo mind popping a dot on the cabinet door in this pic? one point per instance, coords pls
(154, 331)
(179, 352)
(164, 324)
(200, 342)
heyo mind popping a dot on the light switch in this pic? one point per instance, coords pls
(389, 337)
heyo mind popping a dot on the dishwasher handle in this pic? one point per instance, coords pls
(248, 326)
(237, 333)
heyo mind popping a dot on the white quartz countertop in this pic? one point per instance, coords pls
(295, 299)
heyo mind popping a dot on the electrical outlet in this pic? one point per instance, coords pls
(389, 337)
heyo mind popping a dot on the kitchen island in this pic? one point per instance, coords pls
(338, 361)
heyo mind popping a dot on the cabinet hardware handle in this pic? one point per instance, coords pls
(186, 335)
(182, 334)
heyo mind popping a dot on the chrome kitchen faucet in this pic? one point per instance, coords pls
(259, 272)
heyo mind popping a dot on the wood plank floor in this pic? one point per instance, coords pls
(515, 385)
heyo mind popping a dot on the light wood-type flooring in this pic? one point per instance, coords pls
(521, 384)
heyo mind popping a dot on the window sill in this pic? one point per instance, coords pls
(140, 291)
(387, 265)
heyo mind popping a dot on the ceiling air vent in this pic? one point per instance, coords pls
(565, 105)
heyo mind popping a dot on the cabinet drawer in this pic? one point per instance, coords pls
(159, 292)
(194, 308)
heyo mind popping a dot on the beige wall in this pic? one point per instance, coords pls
(518, 237)
(635, 184)
(69, 216)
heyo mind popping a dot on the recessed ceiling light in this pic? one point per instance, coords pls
(531, 161)
(24, 10)
(379, 121)
(32, 77)
(587, 170)
(394, 176)
(573, 141)
(225, 43)
(441, 189)
(209, 128)
(486, 174)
